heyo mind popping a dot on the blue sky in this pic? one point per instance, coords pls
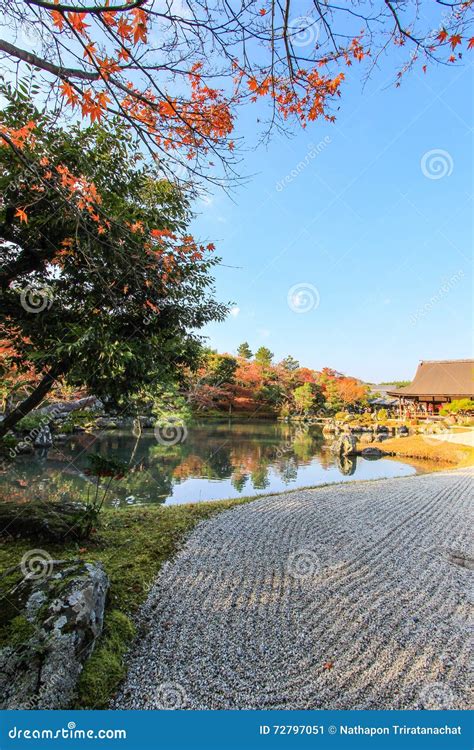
(375, 226)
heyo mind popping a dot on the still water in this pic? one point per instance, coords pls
(217, 459)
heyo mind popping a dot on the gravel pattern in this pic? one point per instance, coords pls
(352, 596)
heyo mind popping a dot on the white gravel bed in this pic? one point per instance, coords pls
(351, 596)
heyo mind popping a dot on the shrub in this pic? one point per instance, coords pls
(458, 406)
(32, 422)
(79, 418)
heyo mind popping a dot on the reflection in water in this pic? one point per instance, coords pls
(347, 465)
(218, 459)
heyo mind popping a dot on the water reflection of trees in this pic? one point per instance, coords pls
(242, 452)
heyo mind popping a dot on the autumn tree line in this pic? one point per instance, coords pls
(258, 386)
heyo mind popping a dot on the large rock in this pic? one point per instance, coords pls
(44, 521)
(58, 611)
(60, 408)
(146, 421)
(372, 453)
(108, 423)
(346, 445)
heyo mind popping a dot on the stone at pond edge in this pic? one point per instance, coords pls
(372, 453)
(43, 439)
(44, 521)
(65, 614)
(345, 446)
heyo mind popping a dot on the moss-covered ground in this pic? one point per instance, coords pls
(133, 544)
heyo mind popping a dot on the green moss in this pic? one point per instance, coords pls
(7, 442)
(16, 632)
(33, 421)
(133, 544)
(105, 669)
(43, 521)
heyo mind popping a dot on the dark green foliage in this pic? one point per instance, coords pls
(245, 351)
(40, 521)
(119, 301)
(263, 356)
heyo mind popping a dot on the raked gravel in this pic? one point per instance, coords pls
(351, 596)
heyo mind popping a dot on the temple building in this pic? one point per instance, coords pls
(436, 383)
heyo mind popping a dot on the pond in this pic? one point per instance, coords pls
(217, 459)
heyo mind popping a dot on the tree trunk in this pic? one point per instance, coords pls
(34, 399)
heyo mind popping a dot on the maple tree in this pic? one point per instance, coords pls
(175, 73)
(101, 285)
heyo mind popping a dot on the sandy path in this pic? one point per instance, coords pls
(347, 596)
(460, 438)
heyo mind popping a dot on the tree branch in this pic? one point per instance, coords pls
(34, 399)
(86, 9)
(38, 62)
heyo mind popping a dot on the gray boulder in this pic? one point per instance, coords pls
(107, 423)
(372, 453)
(57, 609)
(147, 421)
(62, 408)
(346, 445)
